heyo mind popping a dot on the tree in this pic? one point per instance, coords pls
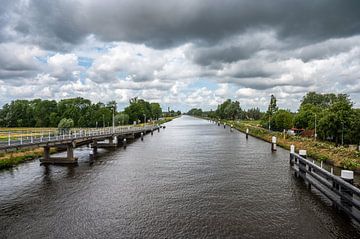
(65, 125)
(272, 108)
(121, 119)
(281, 120)
(156, 111)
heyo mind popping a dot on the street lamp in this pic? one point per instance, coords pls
(315, 134)
(113, 120)
(342, 134)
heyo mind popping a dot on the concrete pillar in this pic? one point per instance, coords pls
(94, 146)
(70, 152)
(46, 153)
(273, 144)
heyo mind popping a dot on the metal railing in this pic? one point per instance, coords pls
(26, 137)
(345, 195)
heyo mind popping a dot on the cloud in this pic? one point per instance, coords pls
(184, 53)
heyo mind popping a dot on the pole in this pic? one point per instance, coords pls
(113, 120)
(342, 134)
(315, 134)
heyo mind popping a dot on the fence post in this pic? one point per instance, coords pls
(292, 151)
(346, 194)
(302, 165)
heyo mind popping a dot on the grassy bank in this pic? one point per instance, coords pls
(343, 157)
(8, 160)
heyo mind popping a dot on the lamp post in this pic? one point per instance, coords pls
(342, 133)
(113, 120)
(315, 134)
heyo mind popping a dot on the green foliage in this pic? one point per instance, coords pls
(229, 110)
(195, 112)
(140, 109)
(121, 119)
(65, 125)
(282, 119)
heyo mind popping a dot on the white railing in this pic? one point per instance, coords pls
(21, 137)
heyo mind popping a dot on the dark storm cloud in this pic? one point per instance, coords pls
(164, 23)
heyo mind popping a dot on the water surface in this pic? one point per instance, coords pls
(191, 180)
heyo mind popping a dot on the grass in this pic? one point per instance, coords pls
(8, 160)
(319, 150)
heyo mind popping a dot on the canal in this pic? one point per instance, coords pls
(191, 180)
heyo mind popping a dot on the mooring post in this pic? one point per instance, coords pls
(302, 165)
(124, 142)
(273, 143)
(247, 133)
(292, 151)
(224, 125)
(142, 136)
(231, 128)
(152, 131)
(346, 194)
(94, 146)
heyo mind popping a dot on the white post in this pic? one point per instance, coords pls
(273, 143)
(21, 139)
(347, 175)
(292, 149)
(49, 136)
(9, 139)
(31, 136)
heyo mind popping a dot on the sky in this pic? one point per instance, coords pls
(182, 54)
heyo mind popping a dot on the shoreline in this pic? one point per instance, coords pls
(326, 152)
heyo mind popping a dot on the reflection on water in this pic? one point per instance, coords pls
(193, 179)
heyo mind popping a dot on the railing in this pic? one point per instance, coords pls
(345, 195)
(15, 138)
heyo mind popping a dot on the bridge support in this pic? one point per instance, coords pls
(69, 159)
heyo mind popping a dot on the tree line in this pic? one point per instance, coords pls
(333, 116)
(78, 112)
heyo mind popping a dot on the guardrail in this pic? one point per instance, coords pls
(339, 190)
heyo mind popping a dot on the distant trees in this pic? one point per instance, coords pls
(229, 110)
(142, 110)
(195, 112)
(83, 113)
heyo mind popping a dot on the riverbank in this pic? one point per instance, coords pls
(318, 150)
(11, 159)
